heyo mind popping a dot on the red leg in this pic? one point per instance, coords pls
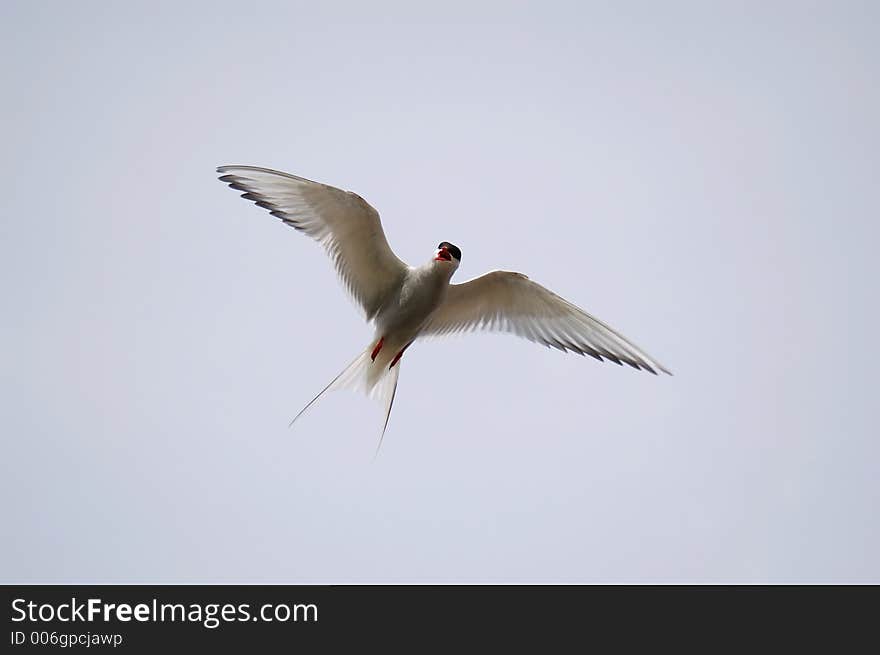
(399, 355)
(377, 349)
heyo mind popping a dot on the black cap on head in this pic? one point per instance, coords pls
(453, 250)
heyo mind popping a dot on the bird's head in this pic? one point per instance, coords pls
(448, 255)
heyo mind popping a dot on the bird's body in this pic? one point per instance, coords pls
(407, 302)
(409, 305)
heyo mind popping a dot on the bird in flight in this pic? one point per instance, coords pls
(408, 302)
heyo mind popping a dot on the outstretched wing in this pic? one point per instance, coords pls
(510, 302)
(341, 221)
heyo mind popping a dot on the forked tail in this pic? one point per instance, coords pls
(363, 375)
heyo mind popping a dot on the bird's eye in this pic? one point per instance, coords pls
(440, 246)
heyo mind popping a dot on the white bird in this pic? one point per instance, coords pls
(407, 302)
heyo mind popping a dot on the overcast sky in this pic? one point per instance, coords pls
(702, 176)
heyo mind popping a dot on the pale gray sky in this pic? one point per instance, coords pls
(702, 176)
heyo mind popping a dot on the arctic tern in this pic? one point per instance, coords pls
(407, 302)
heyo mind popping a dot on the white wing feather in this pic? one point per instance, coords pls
(510, 302)
(341, 221)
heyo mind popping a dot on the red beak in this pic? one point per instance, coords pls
(443, 255)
